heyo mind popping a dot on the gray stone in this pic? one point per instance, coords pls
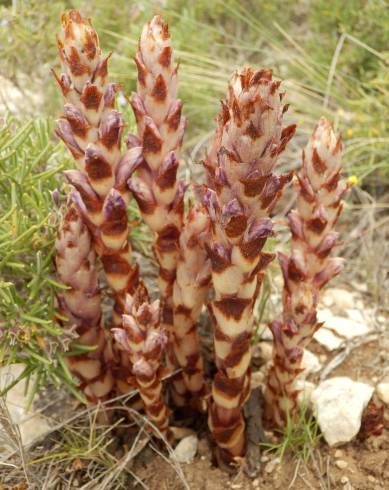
(338, 404)
(310, 363)
(328, 339)
(305, 391)
(32, 425)
(346, 327)
(337, 329)
(186, 450)
(338, 298)
(271, 465)
(341, 464)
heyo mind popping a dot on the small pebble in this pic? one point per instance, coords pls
(269, 468)
(341, 464)
(257, 379)
(186, 450)
(264, 458)
(344, 480)
(338, 453)
(371, 478)
(266, 350)
(383, 392)
(256, 483)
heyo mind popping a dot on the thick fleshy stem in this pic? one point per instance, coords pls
(189, 293)
(308, 268)
(81, 305)
(155, 186)
(91, 128)
(143, 339)
(241, 192)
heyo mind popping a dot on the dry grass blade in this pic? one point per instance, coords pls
(307, 483)
(318, 467)
(124, 464)
(296, 472)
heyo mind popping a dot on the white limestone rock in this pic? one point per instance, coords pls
(32, 425)
(337, 329)
(339, 298)
(328, 339)
(305, 391)
(357, 314)
(186, 450)
(347, 327)
(310, 363)
(338, 404)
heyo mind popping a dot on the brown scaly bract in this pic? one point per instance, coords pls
(242, 190)
(190, 290)
(144, 340)
(160, 130)
(308, 268)
(81, 305)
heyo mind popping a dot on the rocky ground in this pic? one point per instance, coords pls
(346, 368)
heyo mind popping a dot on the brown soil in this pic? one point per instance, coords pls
(367, 469)
(367, 461)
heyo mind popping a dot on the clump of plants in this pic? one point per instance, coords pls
(208, 240)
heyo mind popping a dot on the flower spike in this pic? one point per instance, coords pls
(240, 194)
(308, 268)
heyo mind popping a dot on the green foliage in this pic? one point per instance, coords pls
(299, 437)
(27, 48)
(208, 37)
(29, 166)
(344, 78)
(366, 21)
